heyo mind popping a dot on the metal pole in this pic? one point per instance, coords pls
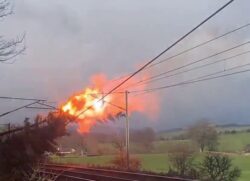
(9, 130)
(127, 129)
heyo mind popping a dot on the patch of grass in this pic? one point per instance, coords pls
(227, 143)
(154, 162)
(86, 160)
(243, 163)
(233, 142)
(163, 146)
(150, 162)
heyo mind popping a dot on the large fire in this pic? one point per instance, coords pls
(87, 107)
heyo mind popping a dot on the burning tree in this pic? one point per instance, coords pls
(88, 106)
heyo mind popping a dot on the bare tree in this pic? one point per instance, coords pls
(119, 143)
(204, 134)
(9, 49)
(144, 137)
(120, 161)
(5, 8)
(181, 156)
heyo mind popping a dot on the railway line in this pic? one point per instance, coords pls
(77, 173)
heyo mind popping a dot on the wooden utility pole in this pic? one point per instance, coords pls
(127, 129)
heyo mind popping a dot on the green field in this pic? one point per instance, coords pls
(152, 162)
(227, 143)
(157, 160)
(234, 142)
(243, 162)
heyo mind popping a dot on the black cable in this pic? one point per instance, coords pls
(159, 55)
(103, 93)
(199, 45)
(196, 80)
(146, 81)
(43, 104)
(34, 107)
(20, 98)
(186, 65)
(4, 114)
(119, 107)
(192, 48)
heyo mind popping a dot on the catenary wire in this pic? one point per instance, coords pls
(191, 48)
(146, 81)
(159, 55)
(196, 80)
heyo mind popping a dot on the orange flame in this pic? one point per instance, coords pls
(111, 105)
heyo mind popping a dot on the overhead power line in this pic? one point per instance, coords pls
(21, 98)
(192, 48)
(37, 101)
(47, 105)
(110, 103)
(103, 93)
(160, 54)
(14, 110)
(119, 107)
(42, 106)
(196, 80)
(199, 45)
(35, 107)
(163, 75)
(195, 68)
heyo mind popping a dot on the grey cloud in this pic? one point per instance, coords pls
(68, 41)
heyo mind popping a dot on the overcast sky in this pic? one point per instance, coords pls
(68, 41)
